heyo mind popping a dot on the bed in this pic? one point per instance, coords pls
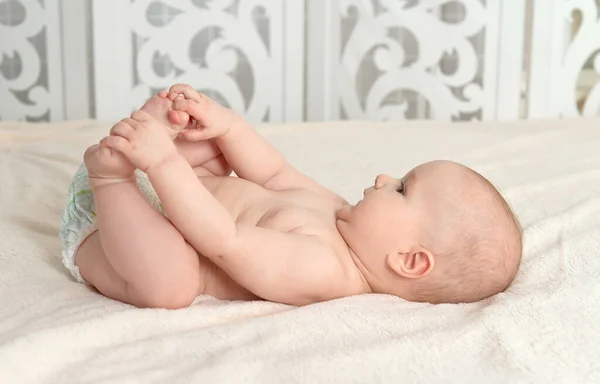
(544, 328)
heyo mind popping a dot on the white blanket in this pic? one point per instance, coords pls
(544, 329)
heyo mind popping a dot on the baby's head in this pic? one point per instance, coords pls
(441, 234)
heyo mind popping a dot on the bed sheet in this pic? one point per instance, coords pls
(544, 328)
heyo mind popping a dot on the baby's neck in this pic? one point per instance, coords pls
(362, 271)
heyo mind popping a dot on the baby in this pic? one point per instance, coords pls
(154, 220)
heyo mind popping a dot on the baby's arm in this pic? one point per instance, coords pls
(204, 157)
(192, 209)
(289, 268)
(284, 267)
(250, 155)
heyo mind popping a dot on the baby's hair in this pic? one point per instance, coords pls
(485, 259)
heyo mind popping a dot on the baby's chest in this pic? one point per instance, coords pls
(286, 218)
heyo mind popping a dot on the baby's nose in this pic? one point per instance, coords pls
(382, 180)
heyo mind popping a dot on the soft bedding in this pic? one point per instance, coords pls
(544, 329)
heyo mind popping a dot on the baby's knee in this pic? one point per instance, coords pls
(169, 300)
(175, 291)
(172, 296)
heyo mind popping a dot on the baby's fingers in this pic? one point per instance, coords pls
(195, 134)
(117, 143)
(186, 90)
(192, 108)
(174, 96)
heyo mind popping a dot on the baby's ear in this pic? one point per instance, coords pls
(414, 264)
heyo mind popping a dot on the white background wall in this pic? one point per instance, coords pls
(292, 60)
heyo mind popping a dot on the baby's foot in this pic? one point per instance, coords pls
(107, 166)
(159, 107)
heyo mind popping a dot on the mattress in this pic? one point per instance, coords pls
(544, 328)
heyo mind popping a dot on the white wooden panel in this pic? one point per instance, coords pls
(77, 79)
(323, 55)
(232, 50)
(293, 83)
(559, 59)
(510, 47)
(542, 68)
(276, 59)
(491, 70)
(21, 52)
(386, 60)
(54, 60)
(581, 49)
(112, 59)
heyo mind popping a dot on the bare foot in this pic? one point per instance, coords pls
(159, 107)
(107, 166)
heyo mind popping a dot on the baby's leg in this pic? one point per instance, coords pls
(204, 156)
(137, 256)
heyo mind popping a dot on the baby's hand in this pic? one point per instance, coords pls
(145, 141)
(212, 120)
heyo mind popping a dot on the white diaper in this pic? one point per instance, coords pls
(78, 220)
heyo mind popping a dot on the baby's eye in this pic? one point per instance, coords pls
(400, 188)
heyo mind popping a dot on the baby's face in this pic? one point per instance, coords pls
(396, 215)
(442, 221)
(385, 212)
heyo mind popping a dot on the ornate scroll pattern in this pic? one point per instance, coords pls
(584, 48)
(21, 64)
(223, 47)
(449, 94)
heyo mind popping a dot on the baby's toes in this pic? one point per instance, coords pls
(179, 120)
